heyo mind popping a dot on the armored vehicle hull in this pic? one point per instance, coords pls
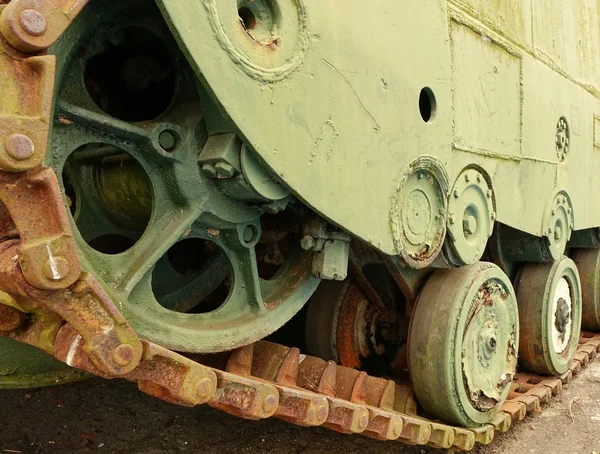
(377, 218)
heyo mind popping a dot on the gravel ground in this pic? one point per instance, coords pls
(113, 417)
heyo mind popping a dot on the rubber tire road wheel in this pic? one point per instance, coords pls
(539, 291)
(588, 264)
(463, 344)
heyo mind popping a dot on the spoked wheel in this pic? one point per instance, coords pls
(463, 343)
(588, 264)
(182, 257)
(550, 306)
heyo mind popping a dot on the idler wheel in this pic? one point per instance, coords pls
(588, 264)
(550, 306)
(463, 343)
(344, 326)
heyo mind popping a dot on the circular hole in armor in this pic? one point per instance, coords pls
(260, 19)
(110, 196)
(132, 78)
(194, 277)
(427, 104)
(247, 18)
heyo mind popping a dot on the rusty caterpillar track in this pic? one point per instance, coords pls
(269, 380)
(375, 407)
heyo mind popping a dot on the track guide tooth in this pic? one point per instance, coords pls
(383, 425)
(554, 384)
(484, 435)
(502, 421)
(442, 436)
(516, 410)
(464, 439)
(589, 349)
(567, 377)
(405, 400)
(301, 407)
(346, 417)
(416, 431)
(381, 393)
(583, 358)
(575, 367)
(243, 397)
(532, 403)
(278, 365)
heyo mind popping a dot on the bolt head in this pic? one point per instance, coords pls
(363, 421)
(307, 243)
(19, 147)
(33, 22)
(209, 170)
(123, 355)
(167, 141)
(470, 225)
(557, 233)
(56, 268)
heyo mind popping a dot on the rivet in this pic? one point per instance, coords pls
(478, 178)
(204, 388)
(467, 178)
(397, 430)
(123, 355)
(493, 215)
(489, 193)
(364, 421)
(33, 22)
(452, 219)
(270, 404)
(56, 268)
(420, 176)
(322, 413)
(19, 147)
(456, 194)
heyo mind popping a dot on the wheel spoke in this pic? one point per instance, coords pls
(164, 230)
(99, 125)
(246, 289)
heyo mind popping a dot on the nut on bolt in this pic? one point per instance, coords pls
(205, 388)
(224, 170)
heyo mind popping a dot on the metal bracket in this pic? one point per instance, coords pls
(331, 250)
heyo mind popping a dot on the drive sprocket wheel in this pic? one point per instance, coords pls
(176, 254)
(550, 305)
(463, 343)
